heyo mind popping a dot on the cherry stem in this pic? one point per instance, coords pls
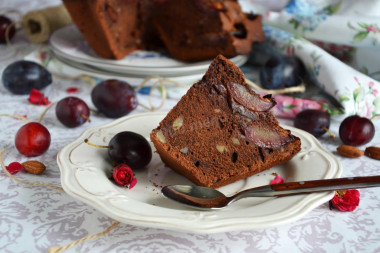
(374, 116)
(160, 81)
(94, 111)
(95, 145)
(21, 181)
(7, 39)
(16, 117)
(332, 136)
(85, 117)
(45, 111)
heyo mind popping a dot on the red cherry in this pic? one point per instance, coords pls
(355, 130)
(4, 24)
(72, 111)
(32, 139)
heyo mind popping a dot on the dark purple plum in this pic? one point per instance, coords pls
(114, 98)
(313, 121)
(282, 71)
(72, 111)
(21, 77)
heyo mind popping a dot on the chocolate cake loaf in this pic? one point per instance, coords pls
(191, 30)
(197, 30)
(221, 131)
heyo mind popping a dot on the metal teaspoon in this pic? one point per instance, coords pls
(209, 198)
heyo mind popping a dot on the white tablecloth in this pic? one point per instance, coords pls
(34, 218)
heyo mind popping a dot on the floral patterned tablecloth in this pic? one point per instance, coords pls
(36, 218)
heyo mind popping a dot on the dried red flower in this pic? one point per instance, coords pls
(277, 180)
(14, 167)
(37, 97)
(72, 90)
(123, 175)
(346, 200)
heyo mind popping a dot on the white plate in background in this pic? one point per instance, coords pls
(68, 43)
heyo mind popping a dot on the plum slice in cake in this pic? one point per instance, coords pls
(221, 131)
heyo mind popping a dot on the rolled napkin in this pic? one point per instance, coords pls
(40, 24)
(358, 31)
(350, 33)
(357, 92)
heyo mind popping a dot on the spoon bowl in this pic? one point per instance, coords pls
(196, 196)
(208, 198)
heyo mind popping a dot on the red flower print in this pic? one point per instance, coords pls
(123, 175)
(372, 29)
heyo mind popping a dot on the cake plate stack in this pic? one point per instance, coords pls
(71, 48)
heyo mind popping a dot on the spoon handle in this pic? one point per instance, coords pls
(334, 184)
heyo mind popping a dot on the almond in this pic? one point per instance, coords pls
(34, 167)
(349, 151)
(221, 148)
(373, 152)
(161, 137)
(178, 122)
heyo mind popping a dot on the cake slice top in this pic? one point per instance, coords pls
(228, 80)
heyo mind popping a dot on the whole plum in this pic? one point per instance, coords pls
(21, 77)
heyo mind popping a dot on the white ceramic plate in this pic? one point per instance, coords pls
(68, 43)
(73, 67)
(84, 171)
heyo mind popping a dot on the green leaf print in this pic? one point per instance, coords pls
(294, 22)
(376, 103)
(351, 26)
(331, 9)
(289, 107)
(344, 98)
(358, 94)
(361, 36)
(363, 25)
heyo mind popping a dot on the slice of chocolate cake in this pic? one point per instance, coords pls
(111, 27)
(221, 131)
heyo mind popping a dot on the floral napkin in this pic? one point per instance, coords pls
(338, 41)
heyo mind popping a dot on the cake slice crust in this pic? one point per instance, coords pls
(213, 139)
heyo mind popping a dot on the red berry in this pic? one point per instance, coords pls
(72, 111)
(130, 148)
(355, 130)
(32, 139)
(4, 24)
